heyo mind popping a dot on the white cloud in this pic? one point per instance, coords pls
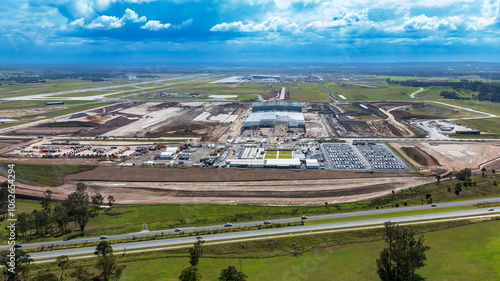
(106, 22)
(79, 22)
(155, 25)
(344, 20)
(489, 16)
(133, 16)
(272, 24)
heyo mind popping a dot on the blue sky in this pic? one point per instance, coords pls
(131, 31)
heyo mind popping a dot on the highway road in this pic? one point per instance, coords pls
(295, 219)
(263, 232)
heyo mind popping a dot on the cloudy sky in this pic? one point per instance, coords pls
(116, 31)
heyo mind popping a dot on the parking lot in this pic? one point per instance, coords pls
(342, 156)
(381, 158)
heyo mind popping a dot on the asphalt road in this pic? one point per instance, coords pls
(262, 232)
(292, 229)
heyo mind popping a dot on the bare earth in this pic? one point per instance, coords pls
(230, 186)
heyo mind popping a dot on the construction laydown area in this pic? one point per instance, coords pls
(272, 152)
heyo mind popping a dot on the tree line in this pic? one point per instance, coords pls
(78, 208)
(488, 91)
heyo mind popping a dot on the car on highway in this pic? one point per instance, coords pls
(103, 237)
(491, 209)
(267, 222)
(228, 224)
(17, 246)
(304, 217)
(433, 205)
(178, 230)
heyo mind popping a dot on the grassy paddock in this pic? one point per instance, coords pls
(363, 93)
(47, 174)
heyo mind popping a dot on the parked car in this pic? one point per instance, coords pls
(177, 230)
(103, 237)
(17, 246)
(228, 224)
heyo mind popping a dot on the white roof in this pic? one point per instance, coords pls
(171, 149)
(283, 162)
(312, 162)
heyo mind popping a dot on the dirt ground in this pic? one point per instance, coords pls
(453, 156)
(261, 187)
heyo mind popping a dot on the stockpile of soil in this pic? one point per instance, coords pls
(269, 194)
(110, 125)
(420, 156)
(180, 128)
(143, 174)
(403, 114)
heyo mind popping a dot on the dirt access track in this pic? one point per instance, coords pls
(131, 185)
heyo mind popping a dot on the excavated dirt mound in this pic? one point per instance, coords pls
(268, 194)
(421, 156)
(131, 174)
(182, 128)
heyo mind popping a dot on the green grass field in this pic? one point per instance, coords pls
(487, 125)
(47, 174)
(271, 154)
(432, 93)
(303, 91)
(34, 103)
(245, 98)
(285, 155)
(372, 94)
(150, 85)
(58, 85)
(463, 253)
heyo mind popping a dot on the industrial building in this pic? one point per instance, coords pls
(264, 163)
(270, 114)
(277, 106)
(256, 120)
(168, 154)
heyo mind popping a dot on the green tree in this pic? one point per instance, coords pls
(82, 216)
(403, 256)
(61, 217)
(23, 222)
(4, 202)
(190, 274)
(464, 174)
(196, 252)
(438, 178)
(81, 274)
(97, 200)
(107, 262)
(103, 249)
(231, 274)
(111, 200)
(47, 201)
(45, 276)
(63, 263)
(483, 170)
(22, 266)
(458, 188)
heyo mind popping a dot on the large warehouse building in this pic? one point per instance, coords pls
(270, 114)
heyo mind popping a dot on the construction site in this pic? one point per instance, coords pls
(274, 151)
